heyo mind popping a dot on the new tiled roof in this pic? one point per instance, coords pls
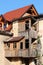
(14, 39)
(15, 14)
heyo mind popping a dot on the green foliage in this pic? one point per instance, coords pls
(38, 52)
(42, 64)
(38, 40)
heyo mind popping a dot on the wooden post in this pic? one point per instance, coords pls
(29, 37)
(2, 26)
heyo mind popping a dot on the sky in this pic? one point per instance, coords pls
(8, 5)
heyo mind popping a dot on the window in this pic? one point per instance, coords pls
(26, 43)
(8, 44)
(14, 45)
(21, 45)
(4, 25)
(27, 25)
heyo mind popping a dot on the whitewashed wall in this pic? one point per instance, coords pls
(3, 60)
(41, 33)
(15, 28)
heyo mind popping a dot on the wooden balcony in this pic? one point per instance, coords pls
(32, 33)
(20, 53)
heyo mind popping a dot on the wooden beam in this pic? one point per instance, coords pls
(34, 10)
(0, 18)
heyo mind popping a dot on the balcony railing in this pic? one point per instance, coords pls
(32, 33)
(20, 53)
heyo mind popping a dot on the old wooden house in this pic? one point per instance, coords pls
(19, 32)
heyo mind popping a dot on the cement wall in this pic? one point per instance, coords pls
(41, 33)
(15, 28)
(3, 60)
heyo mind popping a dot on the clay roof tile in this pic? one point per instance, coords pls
(15, 14)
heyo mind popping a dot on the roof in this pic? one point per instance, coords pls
(14, 39)
(15, 14)
(6, 33)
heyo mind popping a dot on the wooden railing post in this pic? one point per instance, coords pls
(29, 37)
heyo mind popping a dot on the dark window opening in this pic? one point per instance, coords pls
(14, 45)
(33, 21)
(25, 61)
(21, 45)
(27, 25)
(33, 39)
(35, 61)
(26, 43)
(8, 44)
(9, 23)
(5, 25)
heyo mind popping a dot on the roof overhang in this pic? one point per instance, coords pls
(14, 39)
(6, 33)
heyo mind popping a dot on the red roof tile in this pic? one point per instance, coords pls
(15, 14)
(14, 39)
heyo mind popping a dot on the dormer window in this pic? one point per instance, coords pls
(27, 25)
